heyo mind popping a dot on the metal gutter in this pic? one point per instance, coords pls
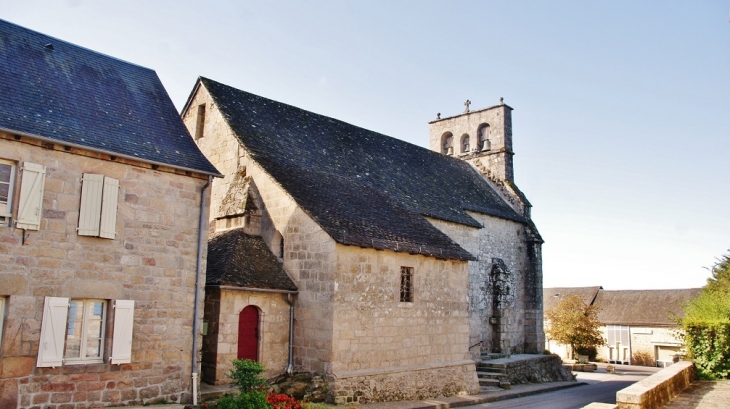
(198, 271)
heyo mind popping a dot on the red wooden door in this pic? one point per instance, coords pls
(248, 333)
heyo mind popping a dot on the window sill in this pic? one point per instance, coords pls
(84, 362)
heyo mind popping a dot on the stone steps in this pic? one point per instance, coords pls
(492, 376)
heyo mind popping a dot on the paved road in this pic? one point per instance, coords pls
(602, 387)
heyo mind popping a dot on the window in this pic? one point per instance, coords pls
(281, 248)
(447, 143)
(200, 122)
(465, 143)
(2, 316)
(7, 178)
(73, 332)
(85, 331)
(98, 212)
(406, 284)
(483, 136)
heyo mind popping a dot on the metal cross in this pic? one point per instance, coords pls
(466, 104)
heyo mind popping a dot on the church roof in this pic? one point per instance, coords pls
(362, 187)
(60, 92)
(236, 258)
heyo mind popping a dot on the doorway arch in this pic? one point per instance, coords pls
(248, 333)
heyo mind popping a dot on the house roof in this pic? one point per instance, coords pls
(551, 296)
(643, 307)
(236, 258)
(60, 92)
(362, 187)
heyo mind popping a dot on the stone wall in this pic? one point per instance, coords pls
(521, 327)
(406, 383)
(309, 253)
(152, 261)
(538, 369)
(220, 345)
(656, 390)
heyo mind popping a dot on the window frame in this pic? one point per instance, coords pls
(406, 284)
(82, 359)
(2, 318)
(6, 210)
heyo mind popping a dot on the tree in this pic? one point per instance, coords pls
(706, 324)
(572, 322)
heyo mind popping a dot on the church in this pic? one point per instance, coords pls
(384, 267)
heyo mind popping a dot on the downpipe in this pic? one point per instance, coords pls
(290, 365)
(198, 270)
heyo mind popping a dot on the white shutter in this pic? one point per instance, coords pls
(53, 332)
(92, 186)
(108, 226)
(123, 323)
(31, 196)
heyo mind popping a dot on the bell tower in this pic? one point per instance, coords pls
(482, 137)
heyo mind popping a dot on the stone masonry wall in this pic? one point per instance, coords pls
(273, 332)
(505, 240)
(384, 348)
(309, 253)
(151, 261)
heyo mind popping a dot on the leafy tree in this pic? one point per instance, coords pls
(706, 324)
(246, 375)
(572, 322)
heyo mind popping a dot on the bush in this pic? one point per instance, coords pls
(709, 346)
(281, 401)
(246, 375)
(591, 352)
(250, 400)
(642, 358)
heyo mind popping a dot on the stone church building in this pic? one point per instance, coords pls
(381, 265)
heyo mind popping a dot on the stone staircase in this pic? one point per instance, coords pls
(492, 376)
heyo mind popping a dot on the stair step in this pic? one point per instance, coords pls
(489, 382)
(491, 375)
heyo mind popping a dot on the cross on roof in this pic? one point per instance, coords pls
(466, 104)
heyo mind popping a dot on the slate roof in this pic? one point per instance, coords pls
(643, 307)
(551, 296)
(362, 187)
(236, 258)
(74, 96)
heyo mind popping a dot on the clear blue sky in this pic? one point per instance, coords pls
(622, 108)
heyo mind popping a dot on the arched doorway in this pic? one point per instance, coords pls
(248, 333)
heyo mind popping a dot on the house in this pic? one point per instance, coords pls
(103, 230)
(390, 265)
(639, 326)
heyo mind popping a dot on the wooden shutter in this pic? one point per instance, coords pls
(53, 332)
(108, 227)
(31, 196)
(123, 323)
(92, 187)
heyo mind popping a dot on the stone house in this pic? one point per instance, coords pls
(103, 230)
(391, 264)
(638, 325)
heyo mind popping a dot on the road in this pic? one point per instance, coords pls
(602, 387)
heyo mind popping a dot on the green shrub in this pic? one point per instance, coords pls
(246, 374)
(250, 400)
(709, 347)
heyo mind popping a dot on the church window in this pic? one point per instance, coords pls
(447, 144)
(406, 284)
(200, 122)
(281, 248)
(464, 143)
(483, 136)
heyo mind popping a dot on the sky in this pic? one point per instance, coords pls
(621, 121)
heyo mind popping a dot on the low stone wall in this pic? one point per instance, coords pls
(540, 369)
(407, 383)
(658, 389)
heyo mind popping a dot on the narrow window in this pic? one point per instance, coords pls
(281, 248)
(406, 284)
(464, 143)
(85, 331)
(447, 144)
(7, 177)
(200, 122)
(2, 316)
(483, 137)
